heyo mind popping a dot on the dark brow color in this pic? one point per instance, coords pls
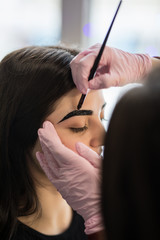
(76, 113)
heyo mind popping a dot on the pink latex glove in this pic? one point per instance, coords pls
(116, 68)
(76, 177)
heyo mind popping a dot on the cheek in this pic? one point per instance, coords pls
(69, 139)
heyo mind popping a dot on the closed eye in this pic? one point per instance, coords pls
(76, 130)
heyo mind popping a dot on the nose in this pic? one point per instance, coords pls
(98, 134)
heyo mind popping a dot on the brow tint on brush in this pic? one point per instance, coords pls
(96, 62)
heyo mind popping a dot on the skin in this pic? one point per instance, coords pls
(56, 213)
(93, 133)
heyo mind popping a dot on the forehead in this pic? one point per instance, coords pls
(93, 101)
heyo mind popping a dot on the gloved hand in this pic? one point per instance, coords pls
(116, 68)
(76, 177)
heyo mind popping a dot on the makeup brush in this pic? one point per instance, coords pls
(96, 62)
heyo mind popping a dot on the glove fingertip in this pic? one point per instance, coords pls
(83, 90)
(78, 146)
(83, 150)
(47, 124)
(88, 154)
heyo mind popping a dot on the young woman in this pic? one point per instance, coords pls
(36, 85)
(130, 184)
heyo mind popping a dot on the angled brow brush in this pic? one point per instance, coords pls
(96, 62)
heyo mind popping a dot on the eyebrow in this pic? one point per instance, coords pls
(76, 113)
(79, 113)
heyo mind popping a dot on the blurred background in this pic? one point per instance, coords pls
(81, 23)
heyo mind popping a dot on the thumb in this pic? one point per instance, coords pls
(88, 154)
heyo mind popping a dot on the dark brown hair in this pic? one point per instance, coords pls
(131, 166)
(32, 79)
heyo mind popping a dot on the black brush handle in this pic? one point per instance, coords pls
(96, 62)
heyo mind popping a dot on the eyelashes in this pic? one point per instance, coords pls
(82, 129)
(77, 130)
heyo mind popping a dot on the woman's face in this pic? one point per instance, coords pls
(84, 125)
